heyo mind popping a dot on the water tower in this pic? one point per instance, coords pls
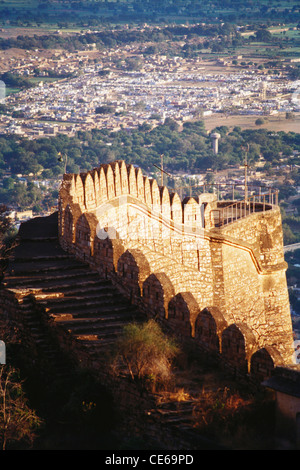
(215, 136)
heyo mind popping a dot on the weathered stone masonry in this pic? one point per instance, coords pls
(224, 286)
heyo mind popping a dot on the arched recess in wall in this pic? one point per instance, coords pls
(191, 213)
(102, 186)
(154, 225)
(166, 245)
(79, 191)
(165, 203)
(147, 190)
(68, 226)
(89, 192)
(209, 326)
(124, 177)
(176, 209)
(117, 177)
(263, 362)
(108, 248)
(132, 180)
(60, 216)
(238, 343)
(85, 231)
(95, 176)
(110, 181)
(133, 268)
(70, 218)
(155, 196)
(157, 293)
(183, 310)
(69, 181)
(67, 193)
(140, 184)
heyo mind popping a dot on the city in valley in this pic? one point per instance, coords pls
(123, 87)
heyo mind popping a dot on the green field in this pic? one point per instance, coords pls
(10, 90)
(93, 12)
(34, 80)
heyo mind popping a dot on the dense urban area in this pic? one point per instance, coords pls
(86, 83)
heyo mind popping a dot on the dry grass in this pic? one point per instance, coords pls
(239, 422)
(224, 411)
(176, 395)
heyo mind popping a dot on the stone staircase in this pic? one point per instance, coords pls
(72, 295)
(85, 306)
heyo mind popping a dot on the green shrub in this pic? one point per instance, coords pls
(145, 352)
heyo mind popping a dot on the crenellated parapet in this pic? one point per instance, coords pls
(214, 270)
(92, 189)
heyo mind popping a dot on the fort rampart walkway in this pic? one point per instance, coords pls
(213, 270)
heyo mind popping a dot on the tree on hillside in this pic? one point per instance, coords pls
(6, 236)
(17, 421)
(263, 35)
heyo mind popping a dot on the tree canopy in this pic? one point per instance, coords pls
(186, 150)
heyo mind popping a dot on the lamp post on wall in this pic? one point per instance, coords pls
(61, 159)
(162, 169)
(246, 148)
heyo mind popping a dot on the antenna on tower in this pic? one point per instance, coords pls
(246, 148)
(162, 168)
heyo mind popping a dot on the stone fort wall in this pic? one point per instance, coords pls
(223, 286)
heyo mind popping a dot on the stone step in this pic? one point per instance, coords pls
(95, 345)
(64, 285)
(67, 288)
(111, 316)
(83, 303)
(32, 267)
(89, 295)
(22, 269)
(175, 405)
(35, 249)
(98, 339)
(177, 412)
(177, 417)
(97, 313)
(99, 310)
(112, 329)
(40, 258)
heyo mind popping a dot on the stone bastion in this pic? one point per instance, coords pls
(211, 270)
